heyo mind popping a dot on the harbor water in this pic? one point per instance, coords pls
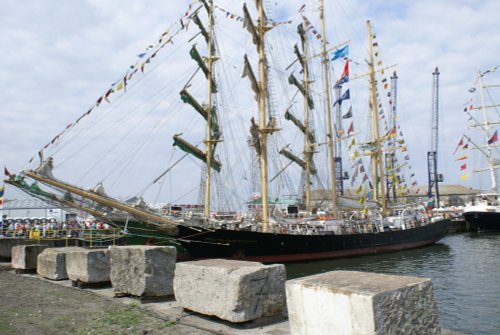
(465, 272)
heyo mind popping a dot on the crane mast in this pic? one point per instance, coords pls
(432, 165)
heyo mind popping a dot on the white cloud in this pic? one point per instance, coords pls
(59, 57)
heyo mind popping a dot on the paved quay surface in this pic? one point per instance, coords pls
(32, 305)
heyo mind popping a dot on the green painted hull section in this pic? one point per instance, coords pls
(139, 233)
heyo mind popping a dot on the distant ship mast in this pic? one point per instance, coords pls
(376, 154)
(331, 135)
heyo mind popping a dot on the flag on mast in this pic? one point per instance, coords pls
(342, 52)
(2, 191)
(493, 138)
(459, 144)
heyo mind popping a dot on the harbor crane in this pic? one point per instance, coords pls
(434, 178)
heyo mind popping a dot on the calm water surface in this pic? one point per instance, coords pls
(465, 272)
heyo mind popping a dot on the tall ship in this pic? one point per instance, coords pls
(483, 213)
(250, 163)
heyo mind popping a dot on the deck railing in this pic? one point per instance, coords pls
(89, 236)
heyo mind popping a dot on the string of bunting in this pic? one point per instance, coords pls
(310, 26)
(238, 18)
(230, 15)
(144, 58)
(391, 133)
(358, 166)
(462, 158)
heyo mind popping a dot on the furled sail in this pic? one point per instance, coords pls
(255, 137)
(290, 117)
(288, 154)
(293, 81)
(248, 72)
(45, 168)
(197, 21)
(189, 99)
(189, 148)
(248, 24)
(201, 63)
(162, 223)
(99, 189)
(298, 54)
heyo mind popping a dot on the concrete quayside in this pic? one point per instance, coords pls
(235, 297)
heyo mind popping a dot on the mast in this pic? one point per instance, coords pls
(261, 28)
(169, 225)
(331, 150)
(377, 166)
(208, 139)
(485, 127)
(308, 146)
(392, 155)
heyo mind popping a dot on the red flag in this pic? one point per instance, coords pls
(463, 167)
(108, 93)
(345, 73)
(350, 129)
(344, 77)
(459, 144)
(493, 138)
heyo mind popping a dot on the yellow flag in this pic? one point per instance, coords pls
(365, 211)
(464, 177)
(360, 189)
(353, 142)
(119, 86)
(362, 200)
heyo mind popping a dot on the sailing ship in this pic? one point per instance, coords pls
(262, 232)
(483, 213)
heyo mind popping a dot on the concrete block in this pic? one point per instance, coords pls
(6, 244)
(88, 266)
(52, 262)
(143, 270)
(350, 302)
(235, 291)
(24, 257)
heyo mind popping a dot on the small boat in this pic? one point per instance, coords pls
(483, 213)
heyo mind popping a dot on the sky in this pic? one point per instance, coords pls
(59, 56)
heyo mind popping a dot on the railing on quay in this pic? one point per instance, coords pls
(90, 236)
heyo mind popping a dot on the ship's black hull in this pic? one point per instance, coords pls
(483, 221)
(271, 248)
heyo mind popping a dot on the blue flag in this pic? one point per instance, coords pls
(345, 96)
(348, 115)
(342, 52)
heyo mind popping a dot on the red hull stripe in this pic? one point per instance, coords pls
(338, 253)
